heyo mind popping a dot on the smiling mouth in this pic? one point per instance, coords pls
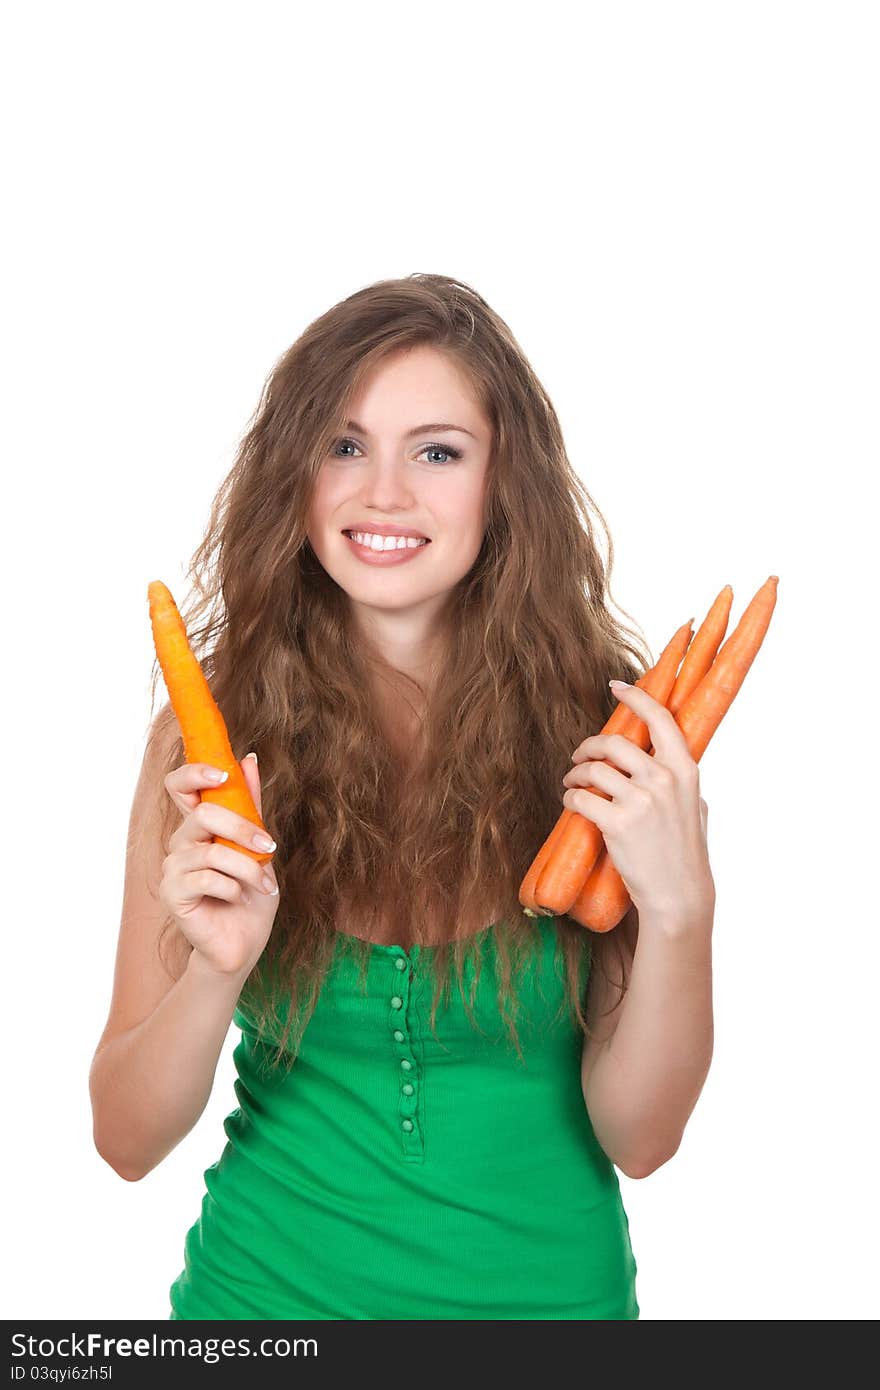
(383, 549)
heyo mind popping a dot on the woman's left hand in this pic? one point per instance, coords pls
(655, 825)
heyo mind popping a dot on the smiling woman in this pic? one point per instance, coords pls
(394, 486)
(412, 1138)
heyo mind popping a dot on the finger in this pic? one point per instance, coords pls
(666, 736)
(594, 772)
(621, 752)
(185, 783)
(228, 861)
(593, 808)
(251, 771)
(195, 884)
(209, 819)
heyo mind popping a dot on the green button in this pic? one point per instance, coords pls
(408, 1089)
(407, 1066)
(396, 1002)
(407, 1125)
(400, 963)
(398, 1036)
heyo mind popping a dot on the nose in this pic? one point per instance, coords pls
(386, 487)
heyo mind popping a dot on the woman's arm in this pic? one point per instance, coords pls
(150, 1084)
(643, 1079)
(155, 1062)
(643, 1076)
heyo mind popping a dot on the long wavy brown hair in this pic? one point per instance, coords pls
(529, 639)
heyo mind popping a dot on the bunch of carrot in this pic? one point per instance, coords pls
(573, 872)
(205, 737)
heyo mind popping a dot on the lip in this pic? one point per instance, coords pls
(385, 557)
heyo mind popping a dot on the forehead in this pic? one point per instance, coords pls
(417, 385)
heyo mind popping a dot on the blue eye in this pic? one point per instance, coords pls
(442, 449)
(435, 448)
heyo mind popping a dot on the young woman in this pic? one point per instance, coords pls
(435, 1089)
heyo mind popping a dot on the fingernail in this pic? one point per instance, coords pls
(625, 684)
(254, 756)
(215, 775)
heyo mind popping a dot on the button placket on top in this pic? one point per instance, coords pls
(403, 1025)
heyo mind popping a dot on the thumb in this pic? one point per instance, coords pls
(252, 777)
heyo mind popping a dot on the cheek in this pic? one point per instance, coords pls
(326, 502)
(322, 493)
(463, 509)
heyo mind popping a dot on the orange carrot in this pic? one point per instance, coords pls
(205, 737)
(527, 887)
(574, 850)
(706, 706)
(620, 721)
(701, 652)
(697, 660)
(603, 900)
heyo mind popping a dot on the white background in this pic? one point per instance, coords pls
(675, 207)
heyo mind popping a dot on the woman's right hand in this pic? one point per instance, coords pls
(215, 893)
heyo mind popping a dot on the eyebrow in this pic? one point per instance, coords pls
(419, 429)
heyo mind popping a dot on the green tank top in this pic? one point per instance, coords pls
(392, 1174)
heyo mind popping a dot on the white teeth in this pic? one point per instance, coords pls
(376, 542)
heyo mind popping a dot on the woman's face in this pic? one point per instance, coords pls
(394, 465)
